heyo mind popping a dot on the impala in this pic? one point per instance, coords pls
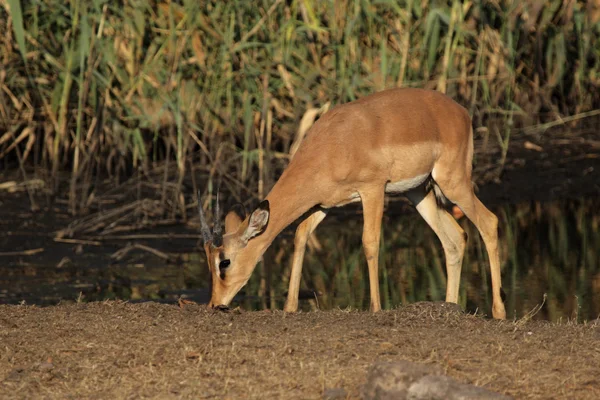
(412, 141)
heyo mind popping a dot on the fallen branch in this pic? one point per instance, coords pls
(78, 241)
(120, 254)
(561, 121)
(29, 252)
(141, 236)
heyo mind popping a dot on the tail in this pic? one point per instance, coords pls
(442, 201)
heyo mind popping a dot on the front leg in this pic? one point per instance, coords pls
(372, 201)
(303, 232)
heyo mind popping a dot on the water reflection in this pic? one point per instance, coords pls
(546, 248)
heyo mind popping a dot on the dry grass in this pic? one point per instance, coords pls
(118, 350)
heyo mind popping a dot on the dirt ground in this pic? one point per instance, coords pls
(116, 350)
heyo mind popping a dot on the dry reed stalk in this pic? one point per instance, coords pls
(122, 253)
(29, 252)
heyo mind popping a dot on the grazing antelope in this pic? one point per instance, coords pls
(412, 141)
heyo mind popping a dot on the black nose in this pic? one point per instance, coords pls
(221, 307)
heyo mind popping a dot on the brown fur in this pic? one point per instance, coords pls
(397, 136)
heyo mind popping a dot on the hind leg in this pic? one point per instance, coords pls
(459, 190)
(451, 235)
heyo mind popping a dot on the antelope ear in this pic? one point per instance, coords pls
(234, 218)
(259, 219)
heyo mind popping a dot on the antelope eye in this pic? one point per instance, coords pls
(223, 267)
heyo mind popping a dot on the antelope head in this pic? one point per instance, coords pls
(228, 266)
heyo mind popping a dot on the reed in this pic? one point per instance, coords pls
(100, 88)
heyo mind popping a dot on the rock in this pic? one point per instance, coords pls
(47, 366)
(334, 394)
(391, 380)
(443, 387)
(408, 380)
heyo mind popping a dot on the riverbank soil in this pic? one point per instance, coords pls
(116, 350)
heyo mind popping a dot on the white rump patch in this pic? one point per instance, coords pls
(406, 184)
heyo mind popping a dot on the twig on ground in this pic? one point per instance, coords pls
(78, 241)
(145, 236)
(527, 317)
(120, 254)
(28, 252)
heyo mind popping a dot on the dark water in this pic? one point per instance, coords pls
(549, 253)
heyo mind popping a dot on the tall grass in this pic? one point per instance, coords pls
(104, 88)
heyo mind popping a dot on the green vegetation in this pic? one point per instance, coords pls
(101, 88)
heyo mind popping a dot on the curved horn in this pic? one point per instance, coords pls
(204, 229)
(218, 227)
